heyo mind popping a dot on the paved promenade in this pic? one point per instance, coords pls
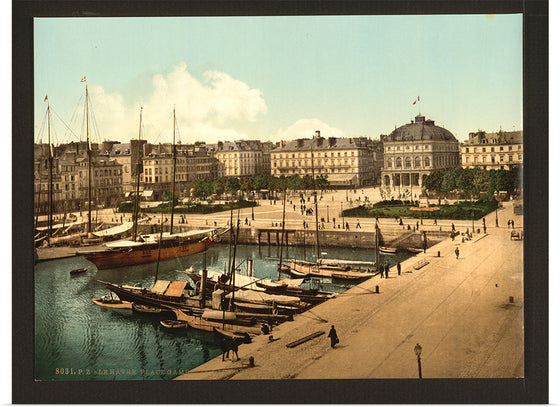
(458, 310)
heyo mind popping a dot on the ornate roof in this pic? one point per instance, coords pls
(420, 129)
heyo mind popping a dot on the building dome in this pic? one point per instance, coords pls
(420, 129)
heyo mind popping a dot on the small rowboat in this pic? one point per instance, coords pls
(414, 250)
(231, 335)
(78, 271)
(146, 309)
(173, 324)
(350, 277)
(112, 303)
(388, 250)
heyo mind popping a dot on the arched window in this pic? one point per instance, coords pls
(387, 180)
(427, 161)
(407, 162)
(398, 162)
(417, 162)
(390, 163)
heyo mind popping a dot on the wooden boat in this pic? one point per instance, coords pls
(173, 324)
(205, 325)
(387, 250)
(230, 335)
(164, 294)
(146, 309)
(347, 277)
(126, 252)
(112, 303)
(318, 270)
(78, 271)
(414, 250)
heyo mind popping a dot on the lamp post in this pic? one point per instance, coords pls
(497, 207)
(418, 351)
(342, 213)
(327, 213)
(472, 216)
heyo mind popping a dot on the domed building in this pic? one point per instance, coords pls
(414, 150)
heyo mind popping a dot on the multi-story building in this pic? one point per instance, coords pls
(414, 150)
(345, 161)
(493, 151)
(106, 180)
(193, 162)
(126, 154)
(241, 158)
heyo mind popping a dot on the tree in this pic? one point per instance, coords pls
(232, 185)
(448, 181)
(433, 181)
(261, 181)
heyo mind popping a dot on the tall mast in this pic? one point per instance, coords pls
(283, 231)
(89, 162)
(315, 199)
(50, 171)
(138, 167)
(173, 181)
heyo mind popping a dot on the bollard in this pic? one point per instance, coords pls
(377, 289)
(251, 361)
(438, 254)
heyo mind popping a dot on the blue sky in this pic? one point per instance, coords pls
(278, 77)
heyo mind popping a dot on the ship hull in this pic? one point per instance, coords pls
(114, 259)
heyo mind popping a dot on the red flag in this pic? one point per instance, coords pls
(46, 97)
(414, 102)
(83, 79)
(417, 100)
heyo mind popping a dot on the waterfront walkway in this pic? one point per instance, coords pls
(466, 313)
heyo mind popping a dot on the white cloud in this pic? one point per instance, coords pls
(305, 128)
(206, 110)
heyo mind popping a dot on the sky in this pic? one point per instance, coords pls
(276, 78)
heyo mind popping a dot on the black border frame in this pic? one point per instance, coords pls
(532, 389)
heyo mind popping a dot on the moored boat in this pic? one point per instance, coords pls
(126, 252)
(112, 303)
(206, 325)
(387, 250)
(231, 335)
(173, 324)
(78, 271)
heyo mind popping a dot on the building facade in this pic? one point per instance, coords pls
(493, 151)
(347, 162)
(414, 150)
(242, 158)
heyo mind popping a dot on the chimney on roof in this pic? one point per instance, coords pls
(317, 134)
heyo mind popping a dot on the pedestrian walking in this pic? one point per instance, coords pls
(358, 224)
(512, 224)
(509, 223)
(333, 336)
(417, 225)
(457, 252)
(347, 226)
(399, 269)
(246, 221)
(387, 271)
(484, 228)
(453, 227)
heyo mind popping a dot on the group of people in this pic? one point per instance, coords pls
(511, 223)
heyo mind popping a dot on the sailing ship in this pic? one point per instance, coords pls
(146, 248)
(342, 269)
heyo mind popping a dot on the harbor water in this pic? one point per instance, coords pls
(78, 340)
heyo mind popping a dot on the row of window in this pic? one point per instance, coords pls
(317, 154)
(491, 149)
(493, 159)
(318, 163)
(325, 171)
(436, 147)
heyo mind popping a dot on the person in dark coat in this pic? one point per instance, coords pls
(386, 271)
(399, 269)
(333, 336)
(234, 348)
(457, 252)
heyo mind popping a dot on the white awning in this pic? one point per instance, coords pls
(343, 179)
(147, 194)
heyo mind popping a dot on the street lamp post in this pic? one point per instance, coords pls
(327, 213)
(418, 351)
(497, 214)
(472, 216)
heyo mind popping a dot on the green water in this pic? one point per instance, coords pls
(78, 340)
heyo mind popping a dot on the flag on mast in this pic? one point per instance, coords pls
(416, 100)
(83, 79)
(46, 98)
